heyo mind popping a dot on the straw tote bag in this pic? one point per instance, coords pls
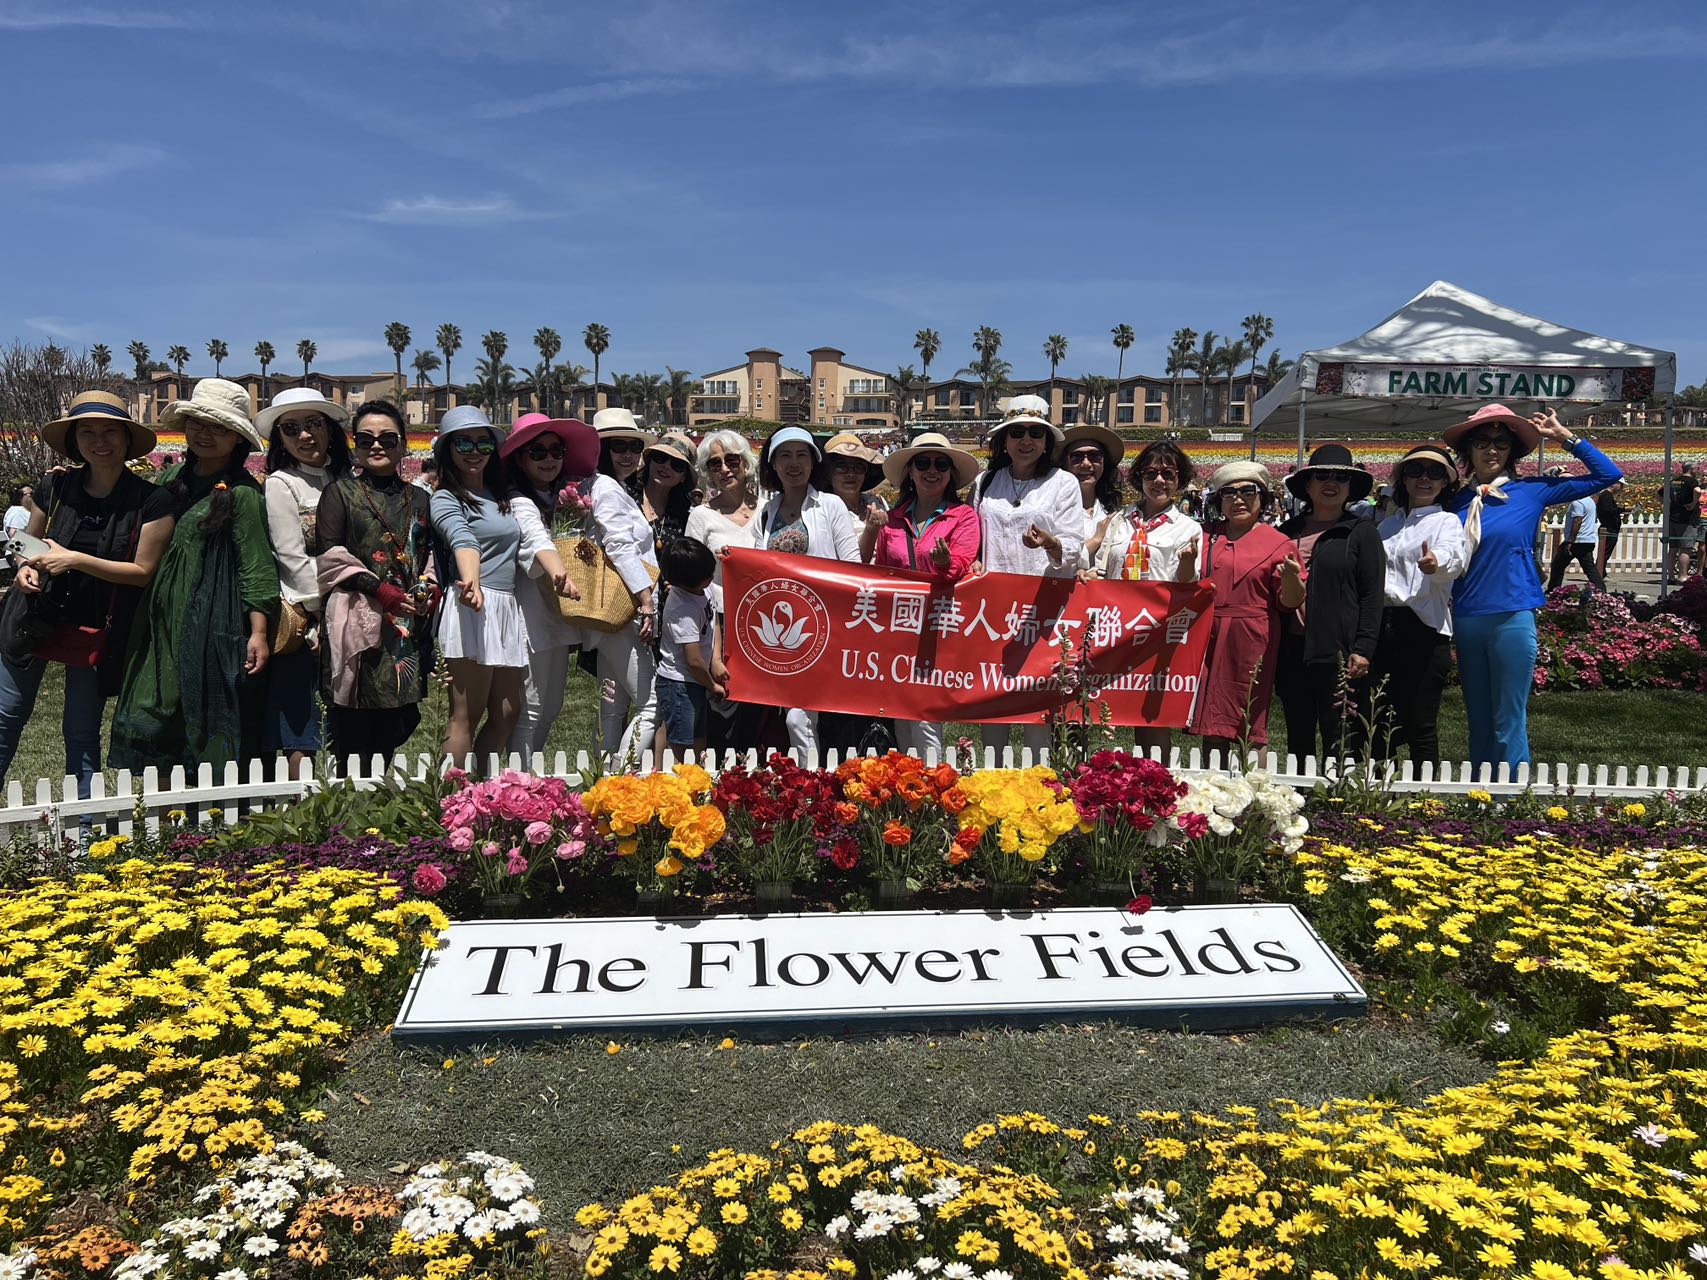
(606, 604)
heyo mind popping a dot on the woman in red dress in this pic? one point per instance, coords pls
(1255, 573)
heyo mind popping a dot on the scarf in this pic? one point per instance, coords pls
(1473, 520)
(1138, 550)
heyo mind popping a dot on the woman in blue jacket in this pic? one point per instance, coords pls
(1494, 603)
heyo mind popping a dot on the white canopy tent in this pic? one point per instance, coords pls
(1447, 350)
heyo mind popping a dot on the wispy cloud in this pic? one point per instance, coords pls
(30, 17)
(60, 327)
(580, 95)
(77, 171)
(430, 210)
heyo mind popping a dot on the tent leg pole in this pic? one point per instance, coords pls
(1665, 527)
(1303, 412)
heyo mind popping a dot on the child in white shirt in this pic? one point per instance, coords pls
(690, 667)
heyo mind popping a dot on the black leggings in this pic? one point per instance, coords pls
(1318, 712)
(1411, 666)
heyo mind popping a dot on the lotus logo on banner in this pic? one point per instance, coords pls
(781, 626)
(782, 630)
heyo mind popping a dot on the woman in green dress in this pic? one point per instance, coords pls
(192, 690)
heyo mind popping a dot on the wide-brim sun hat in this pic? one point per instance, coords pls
(466, 417)
(676, 446)
(1093, 433)
(580, 442)
(218, 401)
(1241, 472)
(296, 400)
(98, 406)
(1027, 409)
(793, 435)
(966, 467)
(619, 424)
(1331, 457)
(1428, 452)
(845, 444)
(1525, 438)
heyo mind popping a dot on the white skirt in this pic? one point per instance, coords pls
(497, 636)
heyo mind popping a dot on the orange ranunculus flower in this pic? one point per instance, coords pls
(943, 777)
(897, 833)
(669, 865)
(846, 812)
(915, 791)
(954, 800)
(963, 845)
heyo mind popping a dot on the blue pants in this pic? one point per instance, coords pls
(85, 710)
(1496, 663)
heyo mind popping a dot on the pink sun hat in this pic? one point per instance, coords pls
(1523, 431)
(580, 442)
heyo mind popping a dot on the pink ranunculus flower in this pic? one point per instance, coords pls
(571, 849)
(518, 864)
(428, 880)
(538, 832)
(490, 849)
(461, 839)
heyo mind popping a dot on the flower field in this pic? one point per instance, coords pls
(172, 1022)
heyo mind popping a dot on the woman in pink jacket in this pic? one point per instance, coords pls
(933, 530)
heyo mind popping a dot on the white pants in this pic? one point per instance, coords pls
(920, 737)
(802, 733)
(626, 668)
(542, 698)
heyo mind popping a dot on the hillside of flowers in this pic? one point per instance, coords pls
(171, 1016)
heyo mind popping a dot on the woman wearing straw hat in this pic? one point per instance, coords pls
(105, 530)
(800, 520)
(192, 688)
(1030, 513)
(1424, 544)
(1254, 570)
(852, 471)
(481, 630)
(1093, 454)
(1329, 646)
(1494, 603)
(542, 455)
(931, 530)
(621, 444)
(306, 451)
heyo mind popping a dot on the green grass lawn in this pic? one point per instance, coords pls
(589, 1124)
(1612, 727)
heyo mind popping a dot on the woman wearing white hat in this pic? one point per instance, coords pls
(1032, 516)
(306, 451)
(482, 633)
(1093, 454)
(191, 690)
(802, 521)
(105, 529)
(931, 530)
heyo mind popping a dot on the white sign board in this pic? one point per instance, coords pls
(1482, 382)
(1209, 966)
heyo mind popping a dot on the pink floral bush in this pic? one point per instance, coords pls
(1591, 640)
(511, 826)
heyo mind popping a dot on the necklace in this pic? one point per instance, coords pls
(1021, 487)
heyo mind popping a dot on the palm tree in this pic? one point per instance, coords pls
(596, 338)
(496, 383)
(1227, 360)
(1123, 340)
(1203, 365)
(927, 342)
(991, 373)
(1054, 351)
(140, 355)
(449, 341)
(1180, 348)
(178, 356)
(496, 342)
(1259, 329)
(548, 342)
(1275, 369)
(906, 380)
(648, 391)
(680, 386)
(266, 355)
(305, 352)
(217, 351)
(423, 364)
(102, 355)
(1097, 390)
(397, 337)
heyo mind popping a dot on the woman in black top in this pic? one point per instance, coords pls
(105, 531)
(1611, 517)
(1332, 644)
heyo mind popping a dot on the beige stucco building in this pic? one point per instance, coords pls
(830, 393)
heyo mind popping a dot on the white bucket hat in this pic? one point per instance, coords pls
(219, 401)
(298, 399)
(1029, 409)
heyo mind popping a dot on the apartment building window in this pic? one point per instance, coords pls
(1152, 413)
(1237, 413)
(1069, 417)
(722, 387)
(941, 399)
(1152, 395)
(1126, 394)
(1069, 394)
(1123, 414)
(867, 386)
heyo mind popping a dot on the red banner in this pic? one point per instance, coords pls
(829, 636)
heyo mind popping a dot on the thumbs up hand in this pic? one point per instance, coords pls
(1426, 562)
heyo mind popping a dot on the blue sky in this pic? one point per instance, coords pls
(705, 176)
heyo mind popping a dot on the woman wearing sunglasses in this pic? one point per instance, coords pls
(802, 521)
(482, 632)
(541, 455)
(1254, 570)
(1152, 540)
(621, 443)
(931, 530)
(1424, 544)
(1329, 646)
(1030, 514)
(306, 451)
(373, 543)
(729, 474)
(1093, 454)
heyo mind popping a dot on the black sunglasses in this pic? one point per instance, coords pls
(625, 446)
(1243, 492)
(466, 445)
(1092, 454)
(932, 462)
(1423, 470)
(385, 440)
(291, 430)
(675, 464)
(1030, 431)
(540, 452)
(1339, 477)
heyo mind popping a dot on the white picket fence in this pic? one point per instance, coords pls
(1640, 549)
(148, 801)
